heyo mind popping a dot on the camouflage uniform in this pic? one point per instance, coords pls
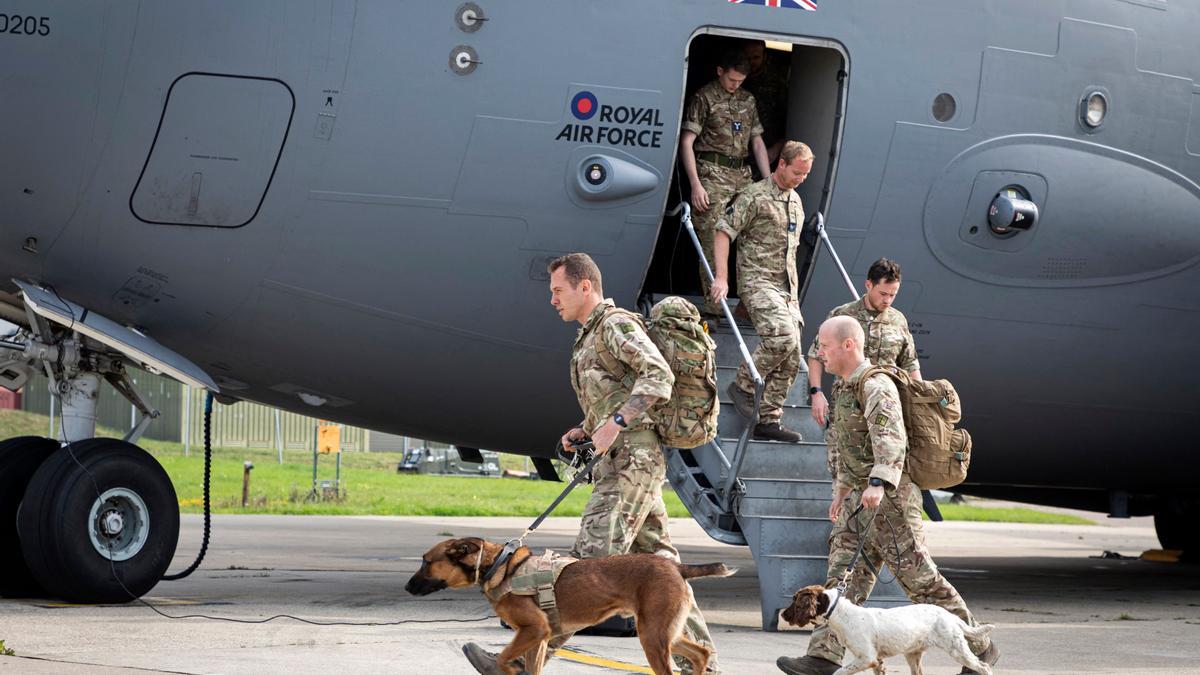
(770, 87)
(724, 123)
(888, 343)
(768, 219)
(612, 360)
(873, 446)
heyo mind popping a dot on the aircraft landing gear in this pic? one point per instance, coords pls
(19, 459)
(97, 519)
(99, 522)
(1177, 523)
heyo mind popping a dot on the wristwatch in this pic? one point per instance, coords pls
(875, 481)
(620, 420)
(813, 391)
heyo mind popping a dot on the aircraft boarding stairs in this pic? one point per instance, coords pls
(779, 499)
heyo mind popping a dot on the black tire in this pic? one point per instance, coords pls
(57, 532)
(19, 459)
(1176, 524)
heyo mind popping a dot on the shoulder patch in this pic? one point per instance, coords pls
(881, 420)
(626, 327)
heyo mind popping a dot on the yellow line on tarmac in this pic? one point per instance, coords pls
(151, 600)
(592, 660)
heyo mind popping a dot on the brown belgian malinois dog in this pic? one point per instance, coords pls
(649, 587)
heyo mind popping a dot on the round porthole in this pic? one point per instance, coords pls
(944, 107)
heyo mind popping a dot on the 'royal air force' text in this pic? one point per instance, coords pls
(627, 126)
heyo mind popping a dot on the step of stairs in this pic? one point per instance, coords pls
(782, 514)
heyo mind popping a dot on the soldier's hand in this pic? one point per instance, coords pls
(835, 509)
(719, 290)
(699, 199)
(820, 408)
(575, 435)
(872, 496)
(605, 436)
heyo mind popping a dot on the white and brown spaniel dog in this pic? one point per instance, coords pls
(873, 635)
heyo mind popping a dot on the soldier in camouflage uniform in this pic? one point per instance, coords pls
(618, 375)
(720, 128)
(768, 81)
(768, 217)
(870, 472)
(889, 341)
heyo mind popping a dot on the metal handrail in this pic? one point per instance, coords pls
(727, 491)
(837, 261)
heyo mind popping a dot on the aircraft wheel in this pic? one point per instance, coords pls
(1177, 523)
(19, 459)
(100, 526)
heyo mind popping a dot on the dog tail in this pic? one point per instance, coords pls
(708, 570)
(978, 631)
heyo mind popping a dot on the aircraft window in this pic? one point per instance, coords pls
(944, 107)
(1093, 109)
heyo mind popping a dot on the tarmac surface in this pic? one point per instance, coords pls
(1057, 608)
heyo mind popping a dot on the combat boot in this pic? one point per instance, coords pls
(775, 431)
(806, 665)
(989, 656)
(742, 402)
(742, 315)
(485, 661)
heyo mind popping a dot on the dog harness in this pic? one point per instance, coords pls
(536, 577)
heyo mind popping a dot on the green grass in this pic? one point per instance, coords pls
(986, 514)
(372, 486)
(5, 651)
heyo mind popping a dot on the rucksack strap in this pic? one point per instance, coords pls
(610, 360)
(860, 390)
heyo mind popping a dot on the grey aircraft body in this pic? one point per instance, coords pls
(352, 204)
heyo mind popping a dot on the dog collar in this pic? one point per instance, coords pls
(510, 547)
(833, 605)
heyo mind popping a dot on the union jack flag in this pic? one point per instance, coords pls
(810, 5)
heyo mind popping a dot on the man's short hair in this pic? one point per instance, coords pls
(845, 328)
(577, 267)
(753, 43)
(884, 270)
(735, 59)
(793, 150)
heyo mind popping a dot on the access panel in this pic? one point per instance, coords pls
(215, 152)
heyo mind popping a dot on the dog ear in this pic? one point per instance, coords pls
(803, 607)
(822, 603)
(460, 548)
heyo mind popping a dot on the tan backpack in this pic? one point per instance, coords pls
(938, 454)
(689, 418)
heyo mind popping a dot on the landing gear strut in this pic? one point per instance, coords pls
(97, 519)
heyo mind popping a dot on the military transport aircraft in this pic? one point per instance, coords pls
(345, 208)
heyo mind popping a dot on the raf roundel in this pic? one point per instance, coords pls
(584, 105)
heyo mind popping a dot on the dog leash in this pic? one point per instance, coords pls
(862, 541)
(511, 546)
(845, 580)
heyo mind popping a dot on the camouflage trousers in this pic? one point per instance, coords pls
(721, 183)
(897, 526)
(778, 356)
(626, 514)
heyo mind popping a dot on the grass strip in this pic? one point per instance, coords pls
(373, 487)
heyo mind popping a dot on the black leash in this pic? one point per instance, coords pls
(862, 541)
(511, 546)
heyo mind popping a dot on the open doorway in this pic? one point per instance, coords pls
(811, 108)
